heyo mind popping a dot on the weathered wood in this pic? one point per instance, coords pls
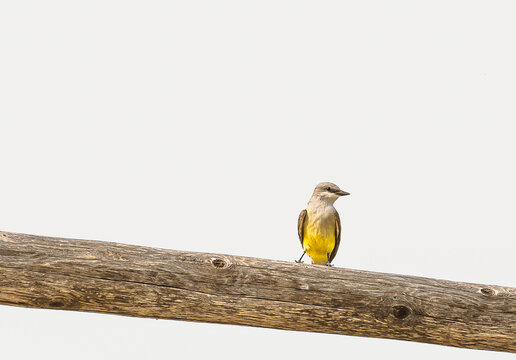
(84, 275)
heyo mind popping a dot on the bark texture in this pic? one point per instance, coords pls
(105, 277)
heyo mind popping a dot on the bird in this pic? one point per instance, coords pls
(318, 225)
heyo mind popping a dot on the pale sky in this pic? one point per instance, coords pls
(205, 125)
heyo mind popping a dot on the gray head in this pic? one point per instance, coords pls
(329, 192)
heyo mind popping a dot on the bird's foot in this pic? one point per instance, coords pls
(328, 264)
(298, 261)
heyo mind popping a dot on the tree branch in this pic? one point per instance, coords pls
(95, 276)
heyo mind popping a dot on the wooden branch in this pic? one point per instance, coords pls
(83, 275)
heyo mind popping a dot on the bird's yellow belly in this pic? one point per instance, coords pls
(318, 244)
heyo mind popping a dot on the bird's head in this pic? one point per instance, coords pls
(329, 192)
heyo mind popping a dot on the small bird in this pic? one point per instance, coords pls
(318, 225)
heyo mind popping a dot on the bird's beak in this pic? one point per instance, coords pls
(341, 193)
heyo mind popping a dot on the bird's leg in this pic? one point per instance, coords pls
(299, 261)
(328, 263)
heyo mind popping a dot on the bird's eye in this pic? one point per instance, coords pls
(328, 188)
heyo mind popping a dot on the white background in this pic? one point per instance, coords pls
(205, 125)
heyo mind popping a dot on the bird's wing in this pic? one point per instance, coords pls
(337, 236)
(300, 223)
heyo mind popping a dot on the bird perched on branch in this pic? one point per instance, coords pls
(318, 225)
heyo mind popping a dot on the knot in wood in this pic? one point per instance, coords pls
(56, 304)
(400, 311)
(488, 291)
(219, 263)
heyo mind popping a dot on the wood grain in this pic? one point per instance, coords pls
(105, 277)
